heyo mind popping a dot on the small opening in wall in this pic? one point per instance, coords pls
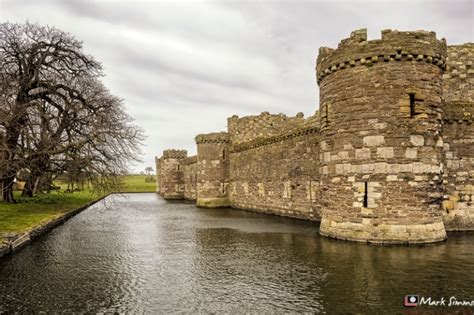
(327, 113)
(177, 167)
(366, 195)
(412, 104)
(223, 154)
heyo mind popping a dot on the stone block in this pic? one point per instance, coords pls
(392, 178)
(417, 140)
(385, 152)
(374, 141)
(411, 153)
(362, 153)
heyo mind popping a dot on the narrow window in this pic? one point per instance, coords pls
(327, 114)
(223, 154)
(412, 104)
(366, 197)
(177, 167)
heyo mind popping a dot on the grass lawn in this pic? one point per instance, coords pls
(31, 212)
(136, 183)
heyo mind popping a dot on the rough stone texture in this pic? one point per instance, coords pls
(190, 176)
(212, 169)
(249, 128)
(278, 175)
(171, 175)
(359, 99)
(458, 203)
(388, 158)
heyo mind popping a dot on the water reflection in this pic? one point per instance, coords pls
(141, 254)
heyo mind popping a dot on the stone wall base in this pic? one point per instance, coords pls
(459, 220)
(276, 211)
(384, 233)
(172, 196)
(212, 202)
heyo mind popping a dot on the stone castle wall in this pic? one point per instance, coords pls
(380, 156)
(189, 166)
(171, 180)
(212, 169)
(388, 158)
(458, 135)
(278, 174)
(249, 128)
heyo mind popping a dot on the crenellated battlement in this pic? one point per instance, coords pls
(250, 128)
(215, 137)
(274, 139)
(387, 158)
(175, 154)
(416, 46)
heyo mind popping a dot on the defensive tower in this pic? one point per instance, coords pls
(382, 149)
(171, 174)
(212, 169)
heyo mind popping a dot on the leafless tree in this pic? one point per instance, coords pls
(55, 115)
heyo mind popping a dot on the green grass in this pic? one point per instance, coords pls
(31, 212)
(136, 183)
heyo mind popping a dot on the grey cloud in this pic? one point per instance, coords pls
(183, 67)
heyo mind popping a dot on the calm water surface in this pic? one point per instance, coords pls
(138, 253)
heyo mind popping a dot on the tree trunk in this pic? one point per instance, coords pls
(30, 186)
(7, 191)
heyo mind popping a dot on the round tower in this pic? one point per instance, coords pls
(212, 169)
(381, 148)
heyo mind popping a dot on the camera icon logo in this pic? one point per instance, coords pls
(410, 300)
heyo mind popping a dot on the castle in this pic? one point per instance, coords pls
(387, 158)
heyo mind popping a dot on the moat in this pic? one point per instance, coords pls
(139, 253)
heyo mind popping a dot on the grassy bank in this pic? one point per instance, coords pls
(31, 212)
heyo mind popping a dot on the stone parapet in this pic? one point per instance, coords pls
(217, 137)
(417, 46)
(174, 154)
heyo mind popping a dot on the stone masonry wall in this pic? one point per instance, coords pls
(458, 94)
(278, 175)
(265, 125)
(387, 158)
(212, 169)
(381, 155)
(189, 166)
(172, 184)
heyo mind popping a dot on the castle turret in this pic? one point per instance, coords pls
(171, 181)
(212, 169)
(381, 154)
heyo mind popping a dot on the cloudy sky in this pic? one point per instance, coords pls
(183, 67)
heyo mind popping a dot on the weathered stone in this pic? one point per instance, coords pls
(417, 140)
(372, 163)
(374, 141)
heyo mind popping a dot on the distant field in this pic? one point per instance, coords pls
(136, 183)
(31, 212)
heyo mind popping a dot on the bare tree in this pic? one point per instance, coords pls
(55, 116)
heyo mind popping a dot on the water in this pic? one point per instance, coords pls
(138, 253)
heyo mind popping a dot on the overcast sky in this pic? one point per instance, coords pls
(183, 67)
